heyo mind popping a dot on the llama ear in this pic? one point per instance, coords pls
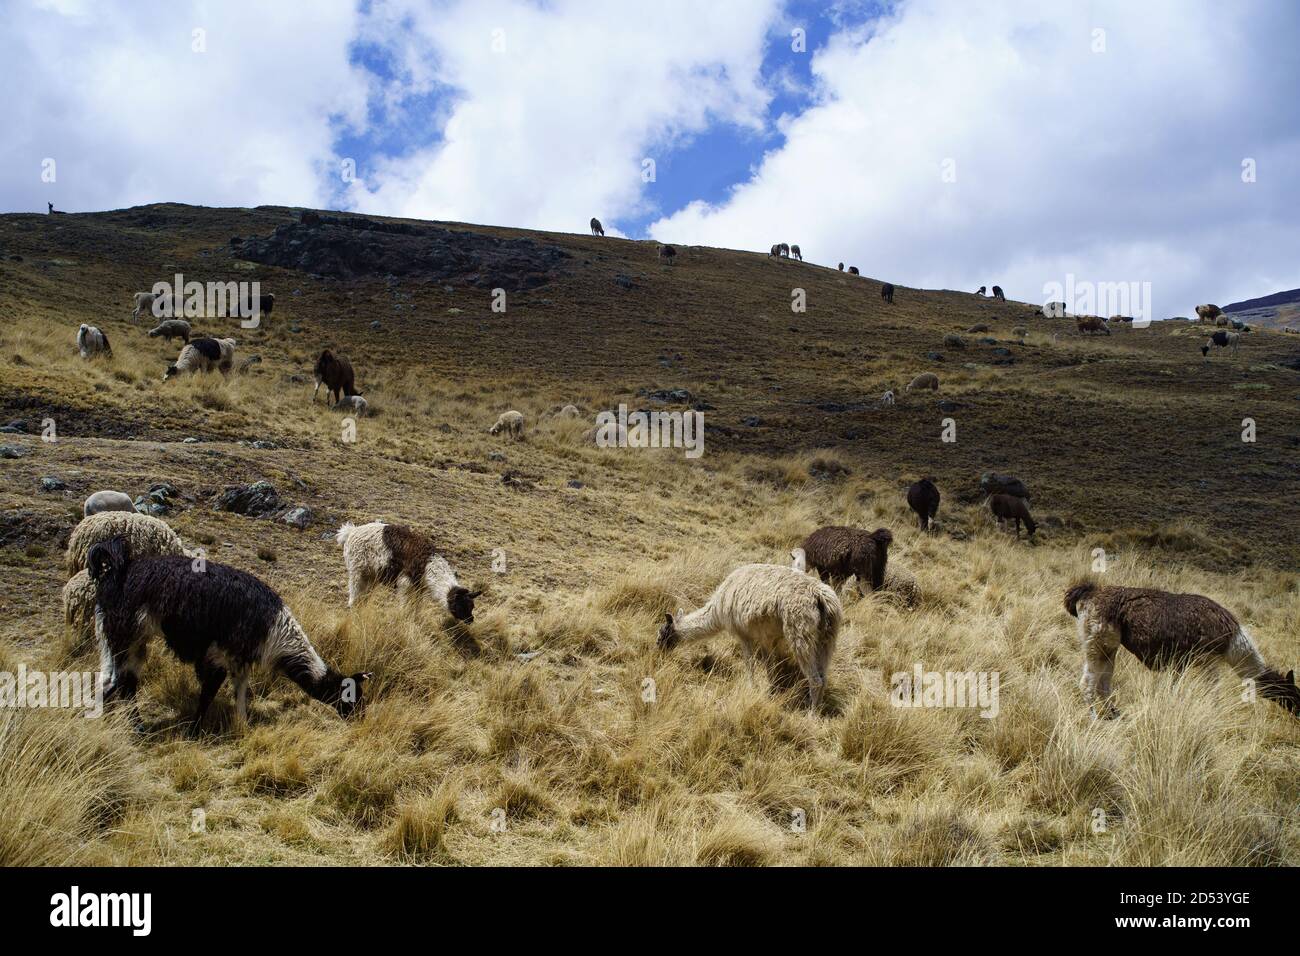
(1290, 676)
(668, 618)
(477, 593)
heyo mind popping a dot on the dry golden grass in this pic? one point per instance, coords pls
(568, 738)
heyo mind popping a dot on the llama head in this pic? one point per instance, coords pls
(345, 694)
(668, 634)
(1281, 689)
(460, 602)
(799, 560)
(107, 556)
(171, 370)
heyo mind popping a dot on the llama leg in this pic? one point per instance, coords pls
(211, 677)
(241, 696)
(1100, 645)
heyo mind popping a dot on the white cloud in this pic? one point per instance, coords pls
(551, 126)
(115, 93)
(1123, 165)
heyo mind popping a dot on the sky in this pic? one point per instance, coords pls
(1077, 144)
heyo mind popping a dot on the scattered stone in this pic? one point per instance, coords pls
(50, 483)
(190, 441)
(264, 445)
(954, 342)
(516, 480)
(299, 517)
(9, 451)
(527, 656)
(753, 421)
(680, 396)
(934, 356)
(254, 501)
(375, 326)
(987, 340)
(575, 483)
(16, 427)
(496, 456)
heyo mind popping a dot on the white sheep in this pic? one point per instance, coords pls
(92, 341)
(379, 552)
(569, 411)
(107, 501)
(171, 328)
(354, 404)
(203, 355)
(887, 398)
(145, 302)
(924, 380)
(144, 534)
(788, 619)
(511, 422)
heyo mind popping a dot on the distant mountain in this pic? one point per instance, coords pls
(1270, 311)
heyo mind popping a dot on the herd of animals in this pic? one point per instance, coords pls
(131, 578)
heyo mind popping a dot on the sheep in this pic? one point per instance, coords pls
(1021, 333)
(980, 290)
(667, 253)
(335, 373)
(79, 605)
(1054, 310)
(171, 328)
(511, 422)
(1091, 323)
(569, 411)
(853, 271)
(145, 535)
(155, 305)
(887, 292)
(786, 619)
(1230, 340)
(222, 621)
(1162, 629)
(841, 267)
(837, 553)
(1009, 507)
(887, 398)
(796, 253)
(354, 404)
(106, 500)
(384, 553)
(974, 329)
(596, 228)
(1223, 321)
(1206, 314)
(92, 341)
(203, 355)
(924, 380)
(923, 498)
(952, 341)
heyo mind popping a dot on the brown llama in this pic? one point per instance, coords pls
(1010, 508)
(1164, 630)
(837, 553)
(923, 498)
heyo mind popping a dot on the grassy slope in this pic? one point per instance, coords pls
(1131, 443)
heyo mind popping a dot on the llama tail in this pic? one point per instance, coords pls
(1076, 594)
(345, 532)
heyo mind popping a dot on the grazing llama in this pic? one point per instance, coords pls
(787, 619)
(1164, 630)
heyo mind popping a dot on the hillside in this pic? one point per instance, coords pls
(1131, 443)
(1276, 311)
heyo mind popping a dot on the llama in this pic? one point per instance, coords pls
(596, 228)
(1228, 340)
(837, 553)
(853, 271)
(841, 267)
(887, 292)
(382, 553)
(1206, 314)
(223, 621)
(1091, 323)
(997, 293)
(203, 355)
(796, 253)
(335, 373)
(783, 249)
(92, 341)
(1010, 508)
(923, 498)
(980, 291)
(786, 619)
(1161, 630)
(668, 254)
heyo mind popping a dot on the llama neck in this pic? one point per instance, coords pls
(698, 624)
(439, 578)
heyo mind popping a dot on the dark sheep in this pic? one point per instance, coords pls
(596, 228)
(1091, 323)
(837, 553)
(991, 483)
(887, 292)
(1009, 507)
(220, 620)
(923, 498)
(335, 373)
(980, 291)
(853, 271)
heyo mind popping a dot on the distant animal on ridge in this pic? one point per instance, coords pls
(887, 292)
(997, 293)
(853, 271)
(796, 253)
(596, 228)
(980, 290)
(1222, 339)
(1162, 629)
(1207, 313)
(786, 619)
(841, 267)
(923, 498)
(668, 254)
(1091, 323)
